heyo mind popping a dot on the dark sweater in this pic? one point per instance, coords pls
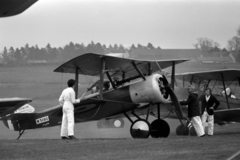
(212, 102)
(193, 105)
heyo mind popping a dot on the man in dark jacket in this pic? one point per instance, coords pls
(208, 104)
(194, 110)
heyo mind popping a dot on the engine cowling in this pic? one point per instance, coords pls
(149, 91)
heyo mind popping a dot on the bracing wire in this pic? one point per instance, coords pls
(93, 114)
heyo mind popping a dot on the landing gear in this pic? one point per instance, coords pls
(192, 131)
(182, 130)
(159, 128)
(140, 129)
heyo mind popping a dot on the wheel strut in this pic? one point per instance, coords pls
(20, 133)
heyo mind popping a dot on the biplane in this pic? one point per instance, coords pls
(15, 7)
(135, 88)
(229, 109)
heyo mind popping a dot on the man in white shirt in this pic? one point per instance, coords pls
(67, 99)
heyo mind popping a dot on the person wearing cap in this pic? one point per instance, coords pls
(67, 99)
(194, 110)
(208, 104)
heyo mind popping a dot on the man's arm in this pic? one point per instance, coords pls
(61, 100)
(73, 99)
(217, 103)
(187, 101)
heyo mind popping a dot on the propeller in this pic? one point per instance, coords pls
(175, 101)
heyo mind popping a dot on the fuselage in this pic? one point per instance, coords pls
(115, 101)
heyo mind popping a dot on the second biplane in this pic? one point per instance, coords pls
(134, 88)
(229, 109)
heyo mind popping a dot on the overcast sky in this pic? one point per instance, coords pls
(164, 23)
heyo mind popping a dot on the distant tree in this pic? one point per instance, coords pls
(234, 44)
(206, 44)
(99, 49)
(115, 48)
(11, 53)
(18, 56)
(69, 51)
(110, 48)
(238, 31)
(80, 49)
(60, 57)
(196, 45)
(121, 49)
(31, 54)
(24, 54)
(51, 53)
(133, 46)
(5, 55)
(150, 46)
(140, 46)
(27, 48)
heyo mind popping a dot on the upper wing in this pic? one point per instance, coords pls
(90, 64)
(14, 7)
(228, 74)
(9, 105)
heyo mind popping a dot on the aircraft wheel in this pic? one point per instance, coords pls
(159, 128)
(140, 129)
(182, 130)
(192, 131)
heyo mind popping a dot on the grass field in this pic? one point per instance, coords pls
(219, 147)
(44, 87)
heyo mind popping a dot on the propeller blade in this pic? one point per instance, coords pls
(175, 103)
(165, 81)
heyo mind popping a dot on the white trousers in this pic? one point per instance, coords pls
(210, 123)
(197, 124)
(67, 128)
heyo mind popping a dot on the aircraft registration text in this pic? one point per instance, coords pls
(42, 120)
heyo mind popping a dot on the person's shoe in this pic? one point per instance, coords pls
(202, 135)
(65, 137)
(73, 138)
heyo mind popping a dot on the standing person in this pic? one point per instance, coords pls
(208, 104)
(194, 110)
(67, 99)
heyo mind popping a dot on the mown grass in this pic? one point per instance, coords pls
(188, 148)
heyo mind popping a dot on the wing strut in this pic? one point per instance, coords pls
(102, 69)
(173, 75)
(110, 79)
(224, 87)
(76, 82)
(149, 69)
(138, 70)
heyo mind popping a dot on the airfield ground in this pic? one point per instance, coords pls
(44, 86)
(221, 146)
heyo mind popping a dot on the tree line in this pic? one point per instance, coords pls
(33, 54)
(48, 54)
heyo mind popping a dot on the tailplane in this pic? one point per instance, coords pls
(11, 120)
